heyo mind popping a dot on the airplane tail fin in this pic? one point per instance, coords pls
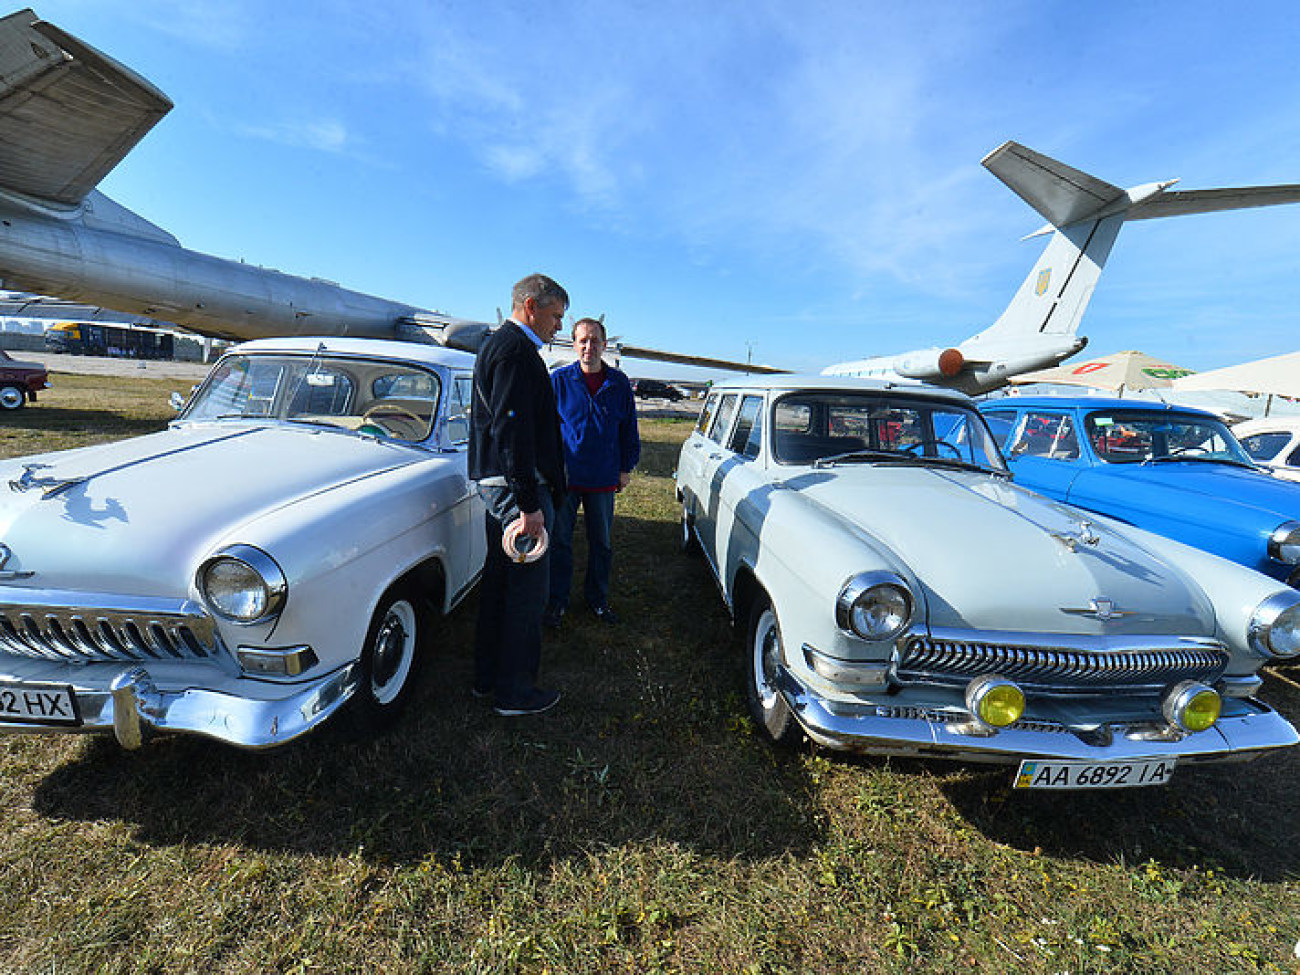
(1084, 216)
(68, 113)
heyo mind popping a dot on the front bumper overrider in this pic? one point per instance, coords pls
(132, 708)
(1252, 729)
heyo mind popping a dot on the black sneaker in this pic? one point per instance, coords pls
(605, 614)
(552, 617)
(535, 702)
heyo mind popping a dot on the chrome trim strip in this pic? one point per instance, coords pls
(896, 731)
(76, 627)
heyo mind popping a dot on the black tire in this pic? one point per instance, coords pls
(12, 397)
(690, 542)
(390, 659)
(766, 705)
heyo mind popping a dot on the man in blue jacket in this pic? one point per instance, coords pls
(601, 448)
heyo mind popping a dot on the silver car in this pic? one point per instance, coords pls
(270, 558)
(901, 595)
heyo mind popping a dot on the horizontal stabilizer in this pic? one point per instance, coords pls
(1059, 192)
(68, 114)
(1175, 203)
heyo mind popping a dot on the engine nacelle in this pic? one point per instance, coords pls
(931, 364)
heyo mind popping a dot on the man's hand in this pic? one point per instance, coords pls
(531, 523)
(624, 478)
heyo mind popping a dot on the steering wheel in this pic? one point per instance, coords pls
(394, 421)
(915, 449)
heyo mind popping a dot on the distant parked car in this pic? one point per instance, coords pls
(1273, 442)
(20, 381)
(901, 595)
(656, 389)
(1172, 470)
(276, 555)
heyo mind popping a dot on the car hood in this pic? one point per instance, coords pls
(992, 556)
(1223, 483)
(136, 516)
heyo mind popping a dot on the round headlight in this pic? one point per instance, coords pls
(1192, 706)
(1275, 626)
(874, 606)
(995, 700)
(1284, 543)
(242, 583)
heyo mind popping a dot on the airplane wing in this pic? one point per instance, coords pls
(68, 114)
(681, 359)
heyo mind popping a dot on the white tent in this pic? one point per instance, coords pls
(1275, 376)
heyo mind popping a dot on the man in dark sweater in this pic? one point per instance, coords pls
(515, 455)
(601, 447)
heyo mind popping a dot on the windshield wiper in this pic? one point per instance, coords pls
(861, 455)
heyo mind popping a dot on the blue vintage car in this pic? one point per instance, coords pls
(1171, 470)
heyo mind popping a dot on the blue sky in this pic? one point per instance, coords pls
(799, 182)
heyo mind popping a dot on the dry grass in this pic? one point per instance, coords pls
(641, 826)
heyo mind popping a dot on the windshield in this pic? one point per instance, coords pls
(372, 396)
(1134, 436)
(818, 426)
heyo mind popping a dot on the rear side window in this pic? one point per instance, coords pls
(706, 414)
(722, 422)
(1265, 446)
(748, 434)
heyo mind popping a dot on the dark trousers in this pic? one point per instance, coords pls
(598, 511)
(512, 598)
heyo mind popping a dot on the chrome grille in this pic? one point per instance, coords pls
(65, 627)
(1108, 667)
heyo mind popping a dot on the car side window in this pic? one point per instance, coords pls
(1000, 423)
(748, 433)
(462, 388)
(1263, 446)
(706, 414)
(1046, 434)
(1293, 460)
(722, 422)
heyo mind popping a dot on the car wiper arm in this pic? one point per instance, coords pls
(862, 455)
(1173, 458)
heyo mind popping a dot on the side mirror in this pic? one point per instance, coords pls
(177, 401)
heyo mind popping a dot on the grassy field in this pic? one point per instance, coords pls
(640, 827)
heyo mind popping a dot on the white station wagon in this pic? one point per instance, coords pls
(901, 595)
(271, 557)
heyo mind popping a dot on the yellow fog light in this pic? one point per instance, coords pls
(995, 701)
(1192, 706)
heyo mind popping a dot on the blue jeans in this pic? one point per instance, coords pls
(512, 598)
(598, 508)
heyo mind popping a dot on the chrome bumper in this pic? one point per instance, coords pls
(873, 730)
(133, 709)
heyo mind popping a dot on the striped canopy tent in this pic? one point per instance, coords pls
(1117, 372)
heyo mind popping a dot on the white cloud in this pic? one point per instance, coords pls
(322, 135)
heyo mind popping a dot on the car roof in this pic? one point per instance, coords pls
(791, 382)
(416, 352)
(1091, 403)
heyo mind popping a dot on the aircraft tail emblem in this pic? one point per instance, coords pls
(1044, 276)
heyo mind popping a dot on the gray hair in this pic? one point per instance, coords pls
(541, 289)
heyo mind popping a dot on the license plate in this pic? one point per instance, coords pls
(39, 704)
(1050, 774)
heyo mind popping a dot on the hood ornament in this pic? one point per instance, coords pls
(1084, 536)
(52, 485)
(6, 553)
(1102, 608)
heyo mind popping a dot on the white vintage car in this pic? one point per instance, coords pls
(271, 557)
(902, 596)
